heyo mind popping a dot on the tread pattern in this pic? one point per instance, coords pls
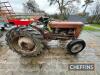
(12, 41)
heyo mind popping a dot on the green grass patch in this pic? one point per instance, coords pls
(96, 25)
(89, 28)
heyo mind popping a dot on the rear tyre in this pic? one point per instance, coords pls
(76, 46)
(22, 41)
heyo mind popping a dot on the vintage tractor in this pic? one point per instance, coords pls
(33, 39)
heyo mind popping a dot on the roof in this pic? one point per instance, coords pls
(77, 18)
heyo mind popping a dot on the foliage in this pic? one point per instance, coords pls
(93, 19)
(65, 6)
(31, 6)
(96, 25)
(57, 16)
(95, 11)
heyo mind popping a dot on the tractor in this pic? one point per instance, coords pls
(33, 39)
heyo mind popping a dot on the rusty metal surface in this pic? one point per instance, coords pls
(65, 23)
(52, 62)
(77, 26)
(55, 24)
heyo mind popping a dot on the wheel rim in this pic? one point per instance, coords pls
(76, 48)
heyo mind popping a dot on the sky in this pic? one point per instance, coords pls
(43, 5)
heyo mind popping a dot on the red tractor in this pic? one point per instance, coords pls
(33, 39)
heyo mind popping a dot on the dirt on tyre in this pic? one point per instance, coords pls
(76, 46)
(23, 42)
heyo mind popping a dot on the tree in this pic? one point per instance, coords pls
(87, 2)
(31, 6)
(95, 11)
(62, 5)
(72, 10)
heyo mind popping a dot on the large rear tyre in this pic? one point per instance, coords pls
(76, 46)
(23, 41)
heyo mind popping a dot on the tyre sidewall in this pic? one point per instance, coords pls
(74, 42)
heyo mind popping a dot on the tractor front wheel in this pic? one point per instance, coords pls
(76, 46)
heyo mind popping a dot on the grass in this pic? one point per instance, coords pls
(88, 28)
(92, 27)
(96, 25)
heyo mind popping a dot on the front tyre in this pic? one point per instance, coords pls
(76, 46)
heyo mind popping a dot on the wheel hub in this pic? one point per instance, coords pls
(76, 48)
(26, 43)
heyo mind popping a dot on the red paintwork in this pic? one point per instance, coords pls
(23, 22)
(20, 22)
